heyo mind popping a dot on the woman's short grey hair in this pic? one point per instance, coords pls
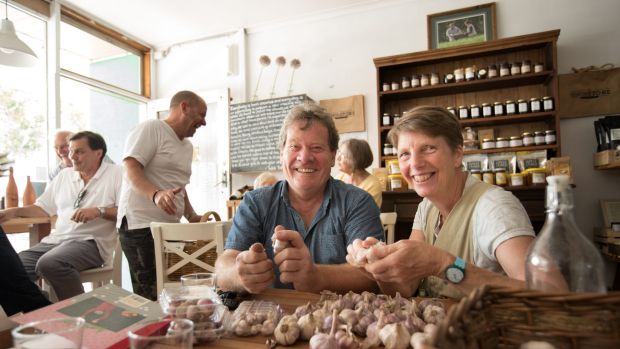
(432, 121)
(308, 113)
(357, 154)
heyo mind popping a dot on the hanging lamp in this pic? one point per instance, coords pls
(13, 51)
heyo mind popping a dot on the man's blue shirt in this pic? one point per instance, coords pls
(346, 213)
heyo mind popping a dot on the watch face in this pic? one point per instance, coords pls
(454, 274)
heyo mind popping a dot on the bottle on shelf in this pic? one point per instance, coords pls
(561, 258)
(30, 196)
(12, 195)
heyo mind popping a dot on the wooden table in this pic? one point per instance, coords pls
(38, 227)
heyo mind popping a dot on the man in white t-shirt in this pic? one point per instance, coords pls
(158, 163)
(85, 198)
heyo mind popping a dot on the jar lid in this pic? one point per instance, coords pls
(462, 107)
(514, 137)
(450, 108)
(487, 140)
(387, 144)
(539, 133)
(546, 97)
(509, 101)
(499, 139)
(486, 171)
(550, 131)
(534, 99)
(482, 70)
(526, 134)
(485, 104)
(520, 100)
(474, 170)
(386, 114)
(474, 106)
(497, 103)
(500, 169)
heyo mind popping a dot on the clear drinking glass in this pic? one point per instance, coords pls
(199, 279)
(60, 333)
(177, 333)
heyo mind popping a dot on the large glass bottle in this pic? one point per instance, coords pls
(561, 258)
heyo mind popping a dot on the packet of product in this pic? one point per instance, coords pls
(531, 159)
(475, 162)
(506, 161)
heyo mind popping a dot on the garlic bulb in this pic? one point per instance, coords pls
(418, 340)
(433, 314)
(307, 326)
(323, 340)
(394, 336)
(287, 331)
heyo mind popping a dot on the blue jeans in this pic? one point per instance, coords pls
(139, 249)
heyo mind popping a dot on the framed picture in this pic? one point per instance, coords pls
(461, 27)
(611, 213)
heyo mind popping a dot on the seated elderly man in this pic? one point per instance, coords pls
(311, 213)
(61, 147)
(85, 198)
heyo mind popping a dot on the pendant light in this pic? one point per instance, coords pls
(13, 51)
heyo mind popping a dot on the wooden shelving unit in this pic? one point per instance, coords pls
(538, 47)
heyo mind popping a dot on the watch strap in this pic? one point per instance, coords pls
(459, 263)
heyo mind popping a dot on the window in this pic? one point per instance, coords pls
(23, 105)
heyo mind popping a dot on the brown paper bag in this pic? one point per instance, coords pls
(348, 113)
(589, 93)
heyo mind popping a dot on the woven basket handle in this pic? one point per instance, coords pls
(207, 216)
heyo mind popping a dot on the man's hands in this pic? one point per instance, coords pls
(255, 269)
(85, 215)
(165, 200)
(295, 263)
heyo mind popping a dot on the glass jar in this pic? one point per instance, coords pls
(476, 173)
(536, 176)
(487, 110)
(535, 105)
(492, 71)
(405, 82)
(502, 142)
(522, 106)
(452, 110)
(511, 107)
(488, 176)
(386, 86)
(386, 120)
(459, 75)
(547, 102)
(463, 112)
(488, 143)
(501, 177)
(515, 68)
(395, 118)
(470, 73)
(415, 80)
(550, 137)
(526, 67)
(434, 79)
(516, 141)
(516, 179)
(504, 69)
(395, 85)
(387, 149)
(539, 67)
(474, 111)
(449, 78)
(528, 139)
(498, 108)
(424, 80)
(482, 74)
(539, 138)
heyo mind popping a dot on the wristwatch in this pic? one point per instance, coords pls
(456, 271)
(101, 211)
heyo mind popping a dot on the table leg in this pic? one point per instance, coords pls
(38, 232)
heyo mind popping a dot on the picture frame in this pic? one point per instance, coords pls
(611, 212)
(463, 26)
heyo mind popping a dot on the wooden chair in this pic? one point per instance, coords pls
(170, 240)
(388, 219)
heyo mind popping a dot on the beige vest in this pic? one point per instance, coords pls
(455, 236)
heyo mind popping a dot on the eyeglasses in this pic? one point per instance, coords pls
(79, 198)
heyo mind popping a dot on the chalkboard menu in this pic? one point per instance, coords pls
(254, 132)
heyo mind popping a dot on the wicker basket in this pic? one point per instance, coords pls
(190, 247)
(495, 317)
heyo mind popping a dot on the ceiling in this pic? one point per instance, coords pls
(161, 23)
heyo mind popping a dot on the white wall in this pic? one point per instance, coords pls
(336, 53)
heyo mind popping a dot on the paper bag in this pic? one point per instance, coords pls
(589, 93)
(348, 113)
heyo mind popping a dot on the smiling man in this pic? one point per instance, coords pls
(315, 215)
(158, 165)
(85, 198)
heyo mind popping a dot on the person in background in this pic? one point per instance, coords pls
(313, 214)
(353, 157)
(17, 292)
(85, 200)
(265, 179)
(61, 146)
(454, 32)
(465, 231)
(158, 165)
(470, 29)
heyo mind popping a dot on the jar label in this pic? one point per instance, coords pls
(394, 168)
(499, 110)
(535, 107)
(538, 178)
(486, 111)
(516, 180)
(463, 113)
(548, 104)
(510, 108)
(475, 112)
(522, 107)
(396, 183)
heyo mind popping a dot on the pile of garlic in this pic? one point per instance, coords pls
(364, 320)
